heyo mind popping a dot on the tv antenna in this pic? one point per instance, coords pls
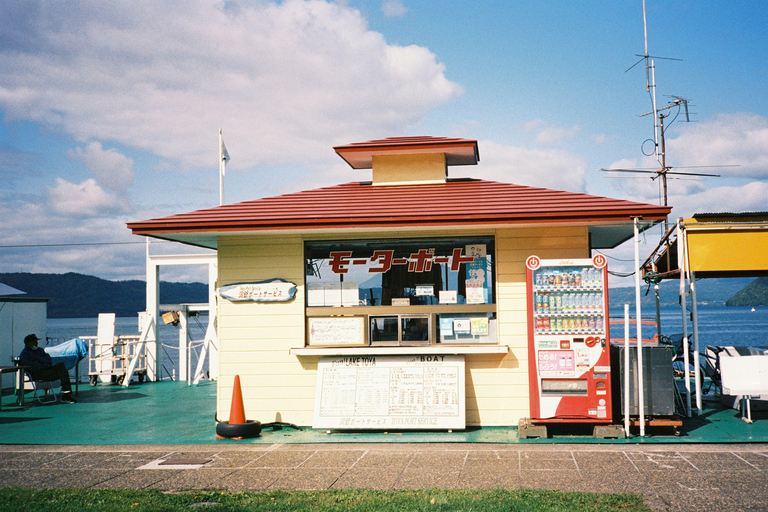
(676, 106)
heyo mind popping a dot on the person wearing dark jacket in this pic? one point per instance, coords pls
(40, 367)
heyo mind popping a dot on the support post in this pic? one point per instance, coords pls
(213, 314)
(682, 266)
(153, 308)
(626, 369)
(696, 369)
(183, 343)
(639, 331)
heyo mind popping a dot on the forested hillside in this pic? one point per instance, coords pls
(80, 296)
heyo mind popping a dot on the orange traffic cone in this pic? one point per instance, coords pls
(237, 427)
(237, 410)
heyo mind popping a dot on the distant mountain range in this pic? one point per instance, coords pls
(81, 296)
(709, 293)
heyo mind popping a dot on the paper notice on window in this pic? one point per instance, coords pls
(479, 326)
(462, 326)
(446, 326)
(315, 294)
(448, 297)
(350, 295)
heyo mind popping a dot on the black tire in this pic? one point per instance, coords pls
(93, 380)
(141, 378)
(251, 428)
(120, 380)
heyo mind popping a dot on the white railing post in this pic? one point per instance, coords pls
(140, 345)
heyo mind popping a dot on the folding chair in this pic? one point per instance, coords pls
(39, 386)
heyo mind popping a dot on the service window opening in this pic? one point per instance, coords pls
(398, 272)
(410, 292)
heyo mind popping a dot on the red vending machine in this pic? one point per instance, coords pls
(568, 348)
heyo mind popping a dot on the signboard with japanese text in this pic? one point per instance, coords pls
(390, 392)
(274, 290)
(336, 330)
(381, 261)
(476, 282)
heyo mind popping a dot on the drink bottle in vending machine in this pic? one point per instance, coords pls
(568, 349)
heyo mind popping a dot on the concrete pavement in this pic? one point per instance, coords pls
(669, 477)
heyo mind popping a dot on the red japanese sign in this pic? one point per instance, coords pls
(383, 260)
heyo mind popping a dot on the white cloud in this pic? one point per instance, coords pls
(112, 169)
(731, 199)
(555, 169)
(393, 8)
(728, 139)
(81, 200)
(285, 81)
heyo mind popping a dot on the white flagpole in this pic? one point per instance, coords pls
(222, 165)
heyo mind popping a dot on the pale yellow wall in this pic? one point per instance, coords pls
(399, 169)
(256, 337)
(497, 389)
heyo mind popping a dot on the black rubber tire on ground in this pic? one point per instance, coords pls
(141, 378)
(93, 380)
(251, 428)
(120, 380)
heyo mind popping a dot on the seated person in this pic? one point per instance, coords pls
(40, 367)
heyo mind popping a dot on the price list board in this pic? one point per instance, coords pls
(390, 393)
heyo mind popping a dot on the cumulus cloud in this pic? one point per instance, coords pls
(81, 200)
(284, 80)
(727, 139)
(111, 168)
(728, 199)
(551, 168)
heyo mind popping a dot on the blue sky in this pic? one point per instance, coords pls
(111, 110)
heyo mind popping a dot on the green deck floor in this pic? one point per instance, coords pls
(174, 413)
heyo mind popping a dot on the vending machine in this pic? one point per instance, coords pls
(568, 347)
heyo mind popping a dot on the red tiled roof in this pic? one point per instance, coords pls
(359, 155)
(362, 205)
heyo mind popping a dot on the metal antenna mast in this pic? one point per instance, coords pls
(659, 114)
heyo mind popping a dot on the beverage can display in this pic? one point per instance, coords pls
(577, 279)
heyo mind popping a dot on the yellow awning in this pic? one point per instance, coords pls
(728, 245)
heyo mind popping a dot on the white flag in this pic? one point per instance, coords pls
(224, 156)
(224, 153)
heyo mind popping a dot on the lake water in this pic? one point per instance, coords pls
(719, 326)
(68, 328)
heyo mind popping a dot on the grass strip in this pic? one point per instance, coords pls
(431, 500)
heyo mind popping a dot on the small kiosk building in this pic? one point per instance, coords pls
(410, 268)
